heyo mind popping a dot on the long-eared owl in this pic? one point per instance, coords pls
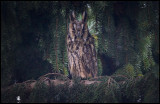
(81, 50)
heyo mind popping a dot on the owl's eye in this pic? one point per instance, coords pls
(82, 26)
(73, 29)
(74, 26)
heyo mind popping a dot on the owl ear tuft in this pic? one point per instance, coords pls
(72, 16)
(84, 16)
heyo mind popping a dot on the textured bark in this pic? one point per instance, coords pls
(81, 50)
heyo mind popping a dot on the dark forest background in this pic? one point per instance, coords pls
(33, 38)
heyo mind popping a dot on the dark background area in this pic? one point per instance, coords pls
(33, 37)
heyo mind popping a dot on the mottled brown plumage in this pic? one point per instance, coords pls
(80, 47)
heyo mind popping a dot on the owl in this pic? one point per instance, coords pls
(82, 60)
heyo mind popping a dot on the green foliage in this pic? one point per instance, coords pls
(39, 93)
(99, 67)
(33, 43)
(112, 89)
(150, 87)
(127, 70)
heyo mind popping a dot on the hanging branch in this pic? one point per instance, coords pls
(65, 40)
(115, 41)
(96, 32)
(149, 18)
(126, 58)
(150, 22)
(67, 31)
(96, 23)
(56, 45)
(126, 48)
(63, 61)
(109, 31)
(103, 38)
(116, 48)
(47, 52)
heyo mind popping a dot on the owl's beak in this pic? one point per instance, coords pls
(79, 34)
